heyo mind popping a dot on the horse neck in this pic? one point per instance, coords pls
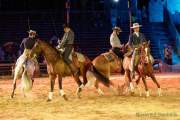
(50, 54)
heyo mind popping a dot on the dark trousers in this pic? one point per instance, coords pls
(118, 52)
(66, 55)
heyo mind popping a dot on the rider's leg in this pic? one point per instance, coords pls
(133, 62)
(120, 55)
(66, 55)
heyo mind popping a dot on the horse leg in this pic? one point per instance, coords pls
(14, 87)
(84, 71)
(96, 84)
(138, 86)
(146, 88)
(80, 85)
(155, 81)
(17, 71)
(52, 82)
(128, 76)
(61, 91)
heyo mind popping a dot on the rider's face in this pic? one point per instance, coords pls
(136, 29)
(66, 29)
(32, 35)
(117, 32)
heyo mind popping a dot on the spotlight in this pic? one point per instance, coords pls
(116, 1)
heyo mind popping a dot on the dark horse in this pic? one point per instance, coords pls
(56, 67)
(143, 69)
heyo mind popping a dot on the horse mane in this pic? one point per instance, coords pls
(53, 50)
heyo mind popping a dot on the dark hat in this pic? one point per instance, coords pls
(66, 25)
(117, 28)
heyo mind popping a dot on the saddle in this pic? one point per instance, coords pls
(75, 57)
(111, 56)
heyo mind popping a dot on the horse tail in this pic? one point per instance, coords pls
(100, 77)
(26, 83)
(90, 68)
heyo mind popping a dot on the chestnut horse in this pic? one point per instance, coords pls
(106, 64)
(143, 69)
(56, 67)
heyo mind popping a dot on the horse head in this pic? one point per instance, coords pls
(145, 53)
(36, 50)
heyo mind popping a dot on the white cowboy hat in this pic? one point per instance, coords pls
(32, 31)
(136, 25)
(117, 28)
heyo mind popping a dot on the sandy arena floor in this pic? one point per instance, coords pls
(91, 106)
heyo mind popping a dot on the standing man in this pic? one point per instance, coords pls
(66, 44)
(115, 42)
(136, 39)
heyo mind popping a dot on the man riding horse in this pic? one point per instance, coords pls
(66, 44)
(24, 63)
(28, 43)
(135, 41)
(115, 42)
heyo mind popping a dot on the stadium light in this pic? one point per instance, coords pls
(116, 1)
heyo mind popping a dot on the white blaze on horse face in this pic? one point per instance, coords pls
(146, 50)
(147, 55)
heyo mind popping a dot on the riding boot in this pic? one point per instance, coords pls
(74, 69)
(133, 69)
(134, 63)
(133, 72)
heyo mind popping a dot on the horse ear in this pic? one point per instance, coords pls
(148, 42)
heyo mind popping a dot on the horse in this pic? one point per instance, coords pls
(144, 68)
(56, 67)
(107, 63)
(25, 70)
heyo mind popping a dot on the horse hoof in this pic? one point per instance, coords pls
(159, 92)
(12, 96)
(160, 95)
(78, 95)
(132, 93)
(49, 100)
(78, 92)
(147, 94)
(100, 92)
(65, 97)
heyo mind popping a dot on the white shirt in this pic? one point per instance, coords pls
(114, 40)
(137, 33)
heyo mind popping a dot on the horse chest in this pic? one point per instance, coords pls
(145, 70)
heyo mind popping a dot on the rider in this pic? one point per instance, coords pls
(115, 42)
(28, 43)
(67, 43)
(136, 39)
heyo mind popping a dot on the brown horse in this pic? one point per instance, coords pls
(106, 64)
(144, 68)
(56, 67)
